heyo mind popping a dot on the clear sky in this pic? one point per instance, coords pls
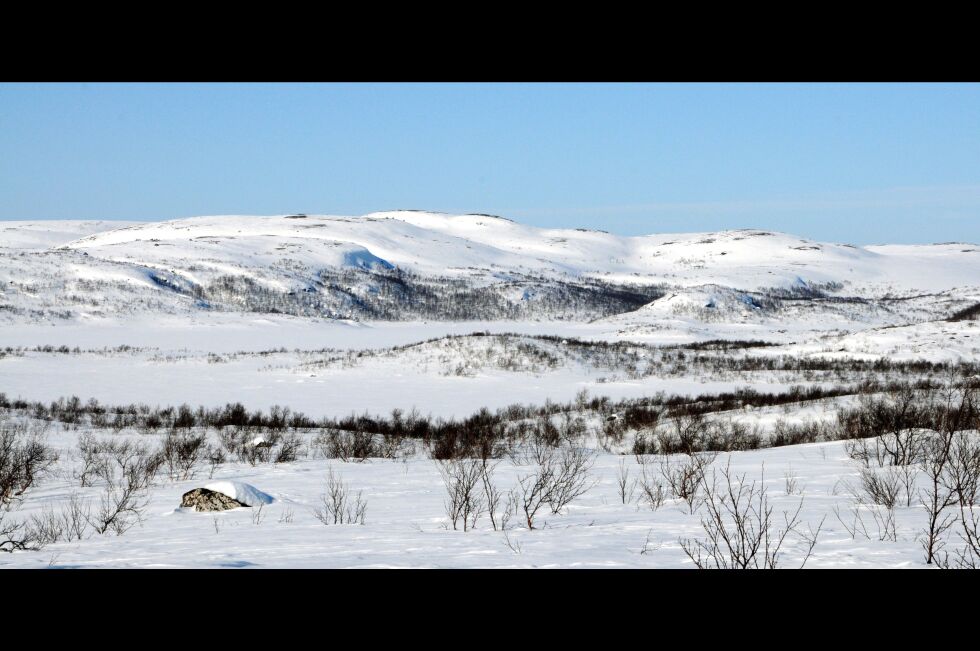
(859, 163)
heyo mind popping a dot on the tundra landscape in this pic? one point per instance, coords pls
(420, 389)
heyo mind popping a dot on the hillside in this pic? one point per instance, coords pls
(411, 266)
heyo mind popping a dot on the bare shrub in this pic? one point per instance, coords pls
(653, 493)
(569, 476)
(390, 446)
(962, 475)
(90, 452)
(687, 433)
(643, 445)
(624, 486)
(68, 524)
(881, 517)
(180, 454)
(968, 556)
(514, 544)
(647, 547)
(338, 504)
(685, 478)
(962, 472)
(937, 497)
(216, 457)
(739, 527)
(562, 477)
(24, 457)
(288, 450)
(259, 449)
(74, 518)
(532, 494)
(881, 488)
(46, 527)
(491, 493)
(15, 535)
(231, 439)
(466, 500)
(128, 473)
(346, 446)
(867, 452)
(792, 483)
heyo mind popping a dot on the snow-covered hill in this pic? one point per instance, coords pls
(409, 265)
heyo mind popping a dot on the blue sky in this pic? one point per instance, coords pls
(859, 163)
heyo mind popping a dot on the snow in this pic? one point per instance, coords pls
(240, 491)
(110, 289)
(406, 525)
(461, 244)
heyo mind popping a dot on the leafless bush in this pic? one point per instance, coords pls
(883, 519)
(390, 446)
(514, 544)
(105, 459)
(466, 500)
(652, 490)
(571, 428)
(216, 458)
(128, 473)
(792, 483)
(903, 447)
(46, 527)
(491, 493)
(68, 524)
(685, 477)
(24, 457)
(569, 476)
(532, 494)
(962, 475)
(90, 452)
(937, 497)
(562, 477)
(687, 433)
(338, 504)
(231, 439)
(259, 449)
(286, 517)
(740, 530)
(968, 556)
(15, 535)
(623, 484)
(962, 472)
(180, 454)
(74, 518)
(288, 449)
(647, 547)
(257, 514)
(346, 446)
(867, 452)
(881, 488)
(536, 448)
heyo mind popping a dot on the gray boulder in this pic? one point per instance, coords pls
(202, 499)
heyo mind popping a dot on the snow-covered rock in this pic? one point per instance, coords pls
(240, 491)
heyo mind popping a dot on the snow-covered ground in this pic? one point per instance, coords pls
(406, 523)
(159, 315)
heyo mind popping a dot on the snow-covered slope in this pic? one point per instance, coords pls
(40, 235)
(432, 243)
(409, 265)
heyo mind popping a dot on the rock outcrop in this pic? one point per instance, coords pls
(202, 499)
